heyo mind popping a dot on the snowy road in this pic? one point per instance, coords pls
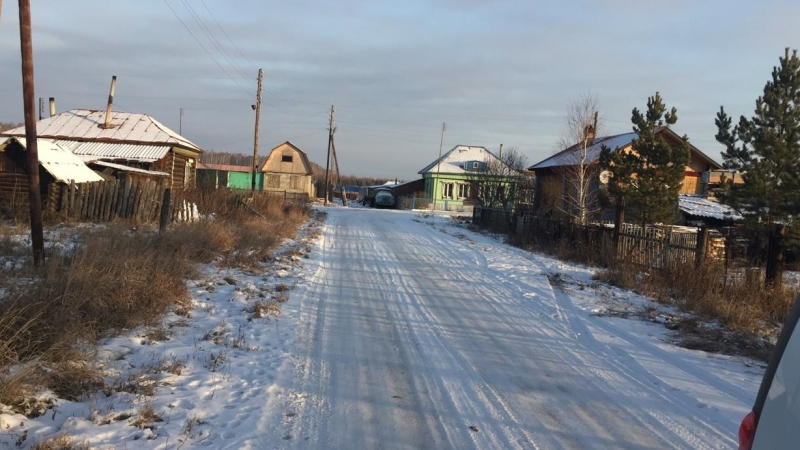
(410, 336)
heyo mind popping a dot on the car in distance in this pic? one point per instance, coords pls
(774, 422)
(384, 198)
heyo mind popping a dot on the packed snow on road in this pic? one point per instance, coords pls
(404, 330)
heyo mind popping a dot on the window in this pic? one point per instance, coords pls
(286, 158)
(447, 190)
(463, 190)
(187, 173)
(476, 165)
(272, 181)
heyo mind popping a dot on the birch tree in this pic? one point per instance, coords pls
(579, 171)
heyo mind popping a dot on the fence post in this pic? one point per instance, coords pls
(774, 255)
(702, 247)
(164, 219)
(619, 218)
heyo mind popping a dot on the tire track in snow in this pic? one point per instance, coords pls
(435, 320)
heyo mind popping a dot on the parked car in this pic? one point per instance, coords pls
(774, 422)
(384, 198)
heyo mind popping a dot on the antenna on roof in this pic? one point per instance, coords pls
(107, 124)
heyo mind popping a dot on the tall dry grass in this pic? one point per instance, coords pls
(737, 300)
(114, 280)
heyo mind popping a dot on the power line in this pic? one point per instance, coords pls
(226, 35)
(204, 47)
(193, 14)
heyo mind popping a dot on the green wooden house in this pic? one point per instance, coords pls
(460, 178)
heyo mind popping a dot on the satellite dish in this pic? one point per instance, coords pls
(605, 176)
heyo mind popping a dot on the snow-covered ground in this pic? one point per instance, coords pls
(404, 330)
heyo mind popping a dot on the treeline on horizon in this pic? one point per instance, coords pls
(240, 159)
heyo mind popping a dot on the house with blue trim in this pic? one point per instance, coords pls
(455, 180)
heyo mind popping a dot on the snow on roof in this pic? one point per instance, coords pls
(695, 205)
(60, 162)
(567, 157)
(453, 161)
(86, 125)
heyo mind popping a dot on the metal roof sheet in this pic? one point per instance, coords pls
(695, 205)
(86, 125)
(92, 151)
(129, 168)
(60, 162)
(568, 157)
(453, 161)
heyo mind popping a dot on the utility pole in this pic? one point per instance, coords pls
(336, 167)
(28, 96)
(438, 167)
(41, 108)
(328, 163)
(180, 124)
(258, 120)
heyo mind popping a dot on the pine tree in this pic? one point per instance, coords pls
(766, 149)
(649, 177)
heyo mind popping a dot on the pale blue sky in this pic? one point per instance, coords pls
(495, 71)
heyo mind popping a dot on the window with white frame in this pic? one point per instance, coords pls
(463, 191)
(447, 190)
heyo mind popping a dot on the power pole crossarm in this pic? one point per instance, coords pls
(258, 121)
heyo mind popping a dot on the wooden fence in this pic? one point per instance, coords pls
(651, 246)
(102, 201)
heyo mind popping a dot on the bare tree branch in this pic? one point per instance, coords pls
(578, 168)
(497, 184)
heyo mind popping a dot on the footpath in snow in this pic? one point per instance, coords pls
(403, 330)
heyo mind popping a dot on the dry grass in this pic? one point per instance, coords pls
(739, 302)
(117, 280)
(147, 417)
(261, 309)
(60, 442)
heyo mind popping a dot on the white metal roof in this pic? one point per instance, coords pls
(698, 206)
(86, 125)
(453, 161)
(60, 162)
(568, 157)
(129, 168)
(92, 151)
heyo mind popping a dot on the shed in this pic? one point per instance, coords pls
(131, 139)
(288, 170)
(56, 165)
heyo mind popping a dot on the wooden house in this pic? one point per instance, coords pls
(124, 139)
(452, 181)
(56, 165)
(287, 170)
(550, 174)
(214, 176)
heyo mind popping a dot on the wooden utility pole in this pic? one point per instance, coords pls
(28, 96)
(258, 121)
(41, 108)
(438, 167)
(336, 167)
(328, 163)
